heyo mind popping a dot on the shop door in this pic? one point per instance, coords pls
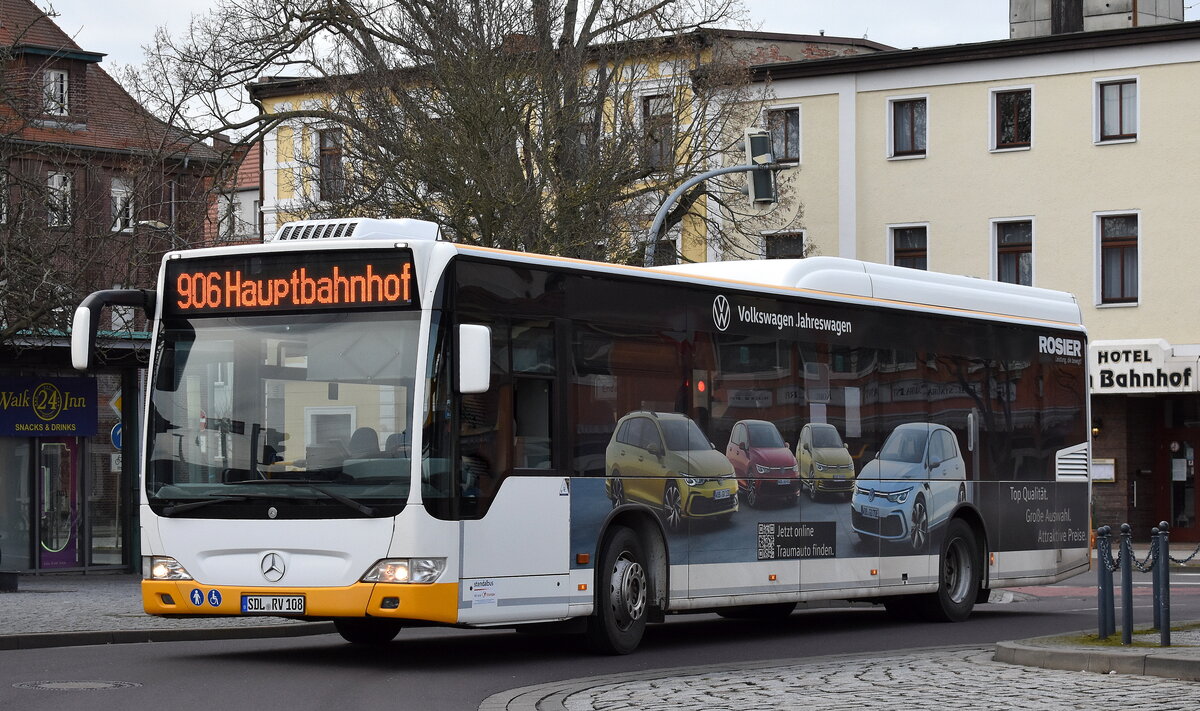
(1177, 485)
(58, 503)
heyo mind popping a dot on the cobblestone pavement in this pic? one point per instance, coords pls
(948, 678)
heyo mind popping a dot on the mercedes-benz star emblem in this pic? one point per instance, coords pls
(272, 567)
(721, 312)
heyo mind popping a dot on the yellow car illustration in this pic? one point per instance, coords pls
(662, 459)
(825, 464)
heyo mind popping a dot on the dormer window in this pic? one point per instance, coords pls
(55, 92)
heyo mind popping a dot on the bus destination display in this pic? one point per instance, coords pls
(291, 281)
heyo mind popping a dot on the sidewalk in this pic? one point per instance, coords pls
(102, 608)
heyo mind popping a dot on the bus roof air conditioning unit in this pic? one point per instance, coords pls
(358, 228)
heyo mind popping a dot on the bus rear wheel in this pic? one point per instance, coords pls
(959, 574)
(622, 595)
(367, 631)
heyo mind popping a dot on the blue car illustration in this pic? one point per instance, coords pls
(911, 488)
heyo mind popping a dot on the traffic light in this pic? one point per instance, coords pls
(758, 152)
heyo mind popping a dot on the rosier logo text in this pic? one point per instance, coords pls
(1060, 346)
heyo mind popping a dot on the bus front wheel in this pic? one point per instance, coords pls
(622, 595)
(367, 631)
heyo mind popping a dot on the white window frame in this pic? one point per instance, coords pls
(799, 127)
(890, 126)
(1098, 110)
(309, 412)
(123, 209)
(993, 118)
(652, 90)
(889, 236)
(60, 189)
(994, 239)
(1098, 262)
(317, 131)
(763, 235)
(56, 92)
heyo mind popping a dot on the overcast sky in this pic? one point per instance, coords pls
(119, 28)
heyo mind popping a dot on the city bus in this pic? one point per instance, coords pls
(360, 422)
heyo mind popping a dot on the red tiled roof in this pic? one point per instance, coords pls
(23, 23)
(112, 119)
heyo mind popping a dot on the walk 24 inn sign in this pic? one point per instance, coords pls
(1150, 366)
(47, 407)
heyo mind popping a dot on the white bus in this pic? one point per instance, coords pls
(358, 422)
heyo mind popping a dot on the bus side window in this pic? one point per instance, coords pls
(534, 368)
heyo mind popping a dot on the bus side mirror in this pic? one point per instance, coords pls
(474, 358)
(87, 320)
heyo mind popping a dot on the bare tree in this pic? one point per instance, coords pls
(96, 189)
(543, 125)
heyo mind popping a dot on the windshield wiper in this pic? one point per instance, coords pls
(345, 500)
(180, 508)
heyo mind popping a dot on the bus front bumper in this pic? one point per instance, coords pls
(435, 602)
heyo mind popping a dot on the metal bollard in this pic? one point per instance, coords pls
(1158, 556)
(1126, 584)
(1164, 558)
(1104, 582)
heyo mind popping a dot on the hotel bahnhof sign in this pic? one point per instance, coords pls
(1140, 366)
(47, 407)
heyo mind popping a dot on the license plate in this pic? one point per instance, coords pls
(785, 482)
(721, 494)
(841, 475)
(870, 511)
(272, 604)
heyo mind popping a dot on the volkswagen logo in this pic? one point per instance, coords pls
(272, 567)
(721, 312)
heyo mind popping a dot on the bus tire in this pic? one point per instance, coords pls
(959, 572)
(367, 630)
(622, 595)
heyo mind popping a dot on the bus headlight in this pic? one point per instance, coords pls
(405, 570)
(161, 567)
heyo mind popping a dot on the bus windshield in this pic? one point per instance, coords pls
(301, 416)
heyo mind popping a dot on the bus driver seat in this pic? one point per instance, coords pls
(364, 444)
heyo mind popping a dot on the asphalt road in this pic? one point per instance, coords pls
(453, 670)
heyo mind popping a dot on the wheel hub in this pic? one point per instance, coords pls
(628, 591)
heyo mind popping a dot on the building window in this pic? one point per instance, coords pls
(910, 247)
(784, 125)
(908, 127)
(665, 253)
(55, 92)
(1118, 259)
(1014, 118)
(1014, 252)
(1066, 16)
(332, 172)
(1118, 110)
(122, 205)
(784, 245)
(656, 128)
(58, 200)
